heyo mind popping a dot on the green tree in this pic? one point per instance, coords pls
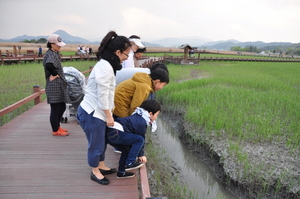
(41, 40)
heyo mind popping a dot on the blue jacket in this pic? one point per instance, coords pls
(135, 124)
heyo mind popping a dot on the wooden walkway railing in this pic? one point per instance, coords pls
(196, 60)
(36, 96)
(17, 60)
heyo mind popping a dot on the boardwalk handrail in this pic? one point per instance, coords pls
(36, 96)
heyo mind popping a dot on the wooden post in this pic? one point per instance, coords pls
(38, 99)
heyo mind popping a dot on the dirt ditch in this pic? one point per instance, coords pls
(274, 164)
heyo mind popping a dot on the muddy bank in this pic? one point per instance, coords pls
(271, 163)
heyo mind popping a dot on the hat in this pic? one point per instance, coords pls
(55, 39)
(137, 42)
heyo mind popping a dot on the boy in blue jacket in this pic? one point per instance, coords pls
(130, 139)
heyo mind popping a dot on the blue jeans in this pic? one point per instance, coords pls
(94, 129)
(130, 144)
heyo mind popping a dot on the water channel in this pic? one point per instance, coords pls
(197, 174)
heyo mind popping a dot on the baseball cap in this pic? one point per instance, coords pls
(138, 42)
(55, 39)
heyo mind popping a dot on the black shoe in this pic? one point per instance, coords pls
(121, 175)
(103, 181)
(134, 165)
(110, 171)
(117, 151)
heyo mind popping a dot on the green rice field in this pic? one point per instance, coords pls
(248, 101)
(241, 109)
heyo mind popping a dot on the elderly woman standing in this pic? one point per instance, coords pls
(56, 84)
(95, 111)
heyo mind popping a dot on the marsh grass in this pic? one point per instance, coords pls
(245, 102)
(17, 82)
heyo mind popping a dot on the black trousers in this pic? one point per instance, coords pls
(57, 111)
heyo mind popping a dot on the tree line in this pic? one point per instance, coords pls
(289, 50)
(40, 40)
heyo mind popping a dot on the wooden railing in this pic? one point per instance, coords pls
(25, 59)
(178, 60)
(150, 61)
(36, 96)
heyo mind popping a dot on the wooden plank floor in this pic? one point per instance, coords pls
(34, 164)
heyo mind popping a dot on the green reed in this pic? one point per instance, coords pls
(248, 101)
(240, 102)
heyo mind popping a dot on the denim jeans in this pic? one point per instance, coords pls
(128, 143)
(94, 129)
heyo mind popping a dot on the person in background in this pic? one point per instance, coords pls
(40, 54)
(137, 56)
(56, 84)
(135, 44)
(95, 111)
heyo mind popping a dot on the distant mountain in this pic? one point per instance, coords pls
(194, 41)
(176, 41)
(218, 42)
(228, 44)
(147, 44)
(22, 38)
(67, 38)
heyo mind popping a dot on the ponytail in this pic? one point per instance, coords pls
(113, 42)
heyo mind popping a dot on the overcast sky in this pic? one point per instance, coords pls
(243, 20)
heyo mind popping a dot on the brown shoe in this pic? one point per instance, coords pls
(60, 133)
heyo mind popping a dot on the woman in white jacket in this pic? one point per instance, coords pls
(95, 111)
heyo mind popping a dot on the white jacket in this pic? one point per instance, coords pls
(100, 90)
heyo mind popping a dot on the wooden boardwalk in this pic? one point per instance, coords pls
(34, 164)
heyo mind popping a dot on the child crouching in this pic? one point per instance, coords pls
(130, 139)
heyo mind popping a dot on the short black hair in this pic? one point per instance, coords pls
(160, 74)
(140, 50)
(151, 105)
(159, 65)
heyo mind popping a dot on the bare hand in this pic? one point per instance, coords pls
(51, 78)
(143, 159)
(110, 121)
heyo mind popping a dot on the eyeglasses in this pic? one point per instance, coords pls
(126, 54)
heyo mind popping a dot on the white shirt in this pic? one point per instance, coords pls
(127, 73)
(129, 63)
(100, 90)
